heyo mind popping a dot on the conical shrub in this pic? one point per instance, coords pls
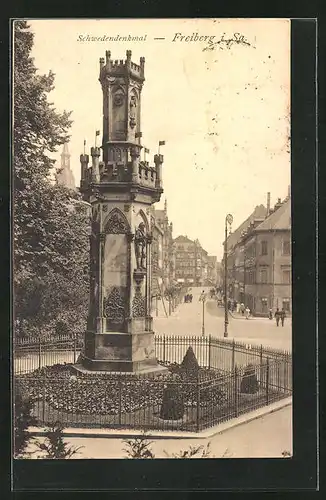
(189, 363)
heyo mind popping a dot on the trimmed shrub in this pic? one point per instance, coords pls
(249, 382)
(189, 363)
(172, 404)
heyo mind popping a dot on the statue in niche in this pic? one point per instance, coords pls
(132, 107)
(118, 99)
(140, 246)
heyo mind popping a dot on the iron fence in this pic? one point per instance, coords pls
(214, 352)
(34, 353)
(211, 352)
(189, 402)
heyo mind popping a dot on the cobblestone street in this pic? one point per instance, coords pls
(255, 330)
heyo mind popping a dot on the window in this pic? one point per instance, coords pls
(286, 249)
(264, 250)
(286, 304)
(286, 277)
(263, 276)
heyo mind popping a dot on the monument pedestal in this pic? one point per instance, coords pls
(120, 352)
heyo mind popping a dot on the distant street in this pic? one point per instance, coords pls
(187, 320)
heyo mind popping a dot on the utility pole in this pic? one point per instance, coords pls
(228, 221)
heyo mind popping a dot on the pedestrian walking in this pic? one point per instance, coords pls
(247, 312)
(282, 316)
(242, 308)
(277, 316)
(270, 314)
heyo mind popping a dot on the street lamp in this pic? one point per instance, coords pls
(202, 298)
(228, 222)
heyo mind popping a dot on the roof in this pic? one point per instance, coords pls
(235, 236)
(182, 239)
(280, 219)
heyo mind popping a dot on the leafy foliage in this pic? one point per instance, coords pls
(23, 419)
(138, 447)
(54, 446)
(172, 404)
(50, 222)
(199, 451)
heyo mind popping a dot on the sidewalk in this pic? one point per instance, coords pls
(265, 437)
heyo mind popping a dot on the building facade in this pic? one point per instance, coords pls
(163, 261)
(259, 262)
(191, 262)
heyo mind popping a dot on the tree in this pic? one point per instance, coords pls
(50, 222)
(23, 419)
(54, 446)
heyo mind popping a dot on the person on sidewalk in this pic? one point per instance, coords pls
(282, 316)
(270, 314)
(242, 308)
(277, 316)
(247, 312)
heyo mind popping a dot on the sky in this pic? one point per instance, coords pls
(223, 113)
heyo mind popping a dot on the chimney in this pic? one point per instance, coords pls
(268, 204)
(278, 204)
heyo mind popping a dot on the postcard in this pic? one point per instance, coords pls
(152, 238)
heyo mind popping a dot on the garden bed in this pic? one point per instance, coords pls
(75, 399)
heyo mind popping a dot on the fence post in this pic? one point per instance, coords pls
(75, 347)
(267, 380)
(233, 354)
(43, 401)
(209, 351)
(235, 378)
(39, 352)
(198, 404)
(163, 348)
(261, 354)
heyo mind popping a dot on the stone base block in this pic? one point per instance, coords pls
(92, 367)
(119, 352)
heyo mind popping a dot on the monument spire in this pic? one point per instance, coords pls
(121, 190)
(64, 174)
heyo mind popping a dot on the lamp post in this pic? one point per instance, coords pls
(202, 298)
(228, 221)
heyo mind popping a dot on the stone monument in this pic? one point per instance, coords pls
(121, 190)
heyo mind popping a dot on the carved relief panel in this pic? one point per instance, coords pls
(116, 266)
(118, 115)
